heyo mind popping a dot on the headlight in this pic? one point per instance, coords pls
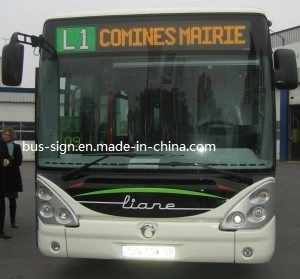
(51, 208)
(253, 211)
(238, 218)
(44, 193)
(46, 210)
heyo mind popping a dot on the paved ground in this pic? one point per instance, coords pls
(20, 258)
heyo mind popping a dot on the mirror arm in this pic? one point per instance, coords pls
(34, 41)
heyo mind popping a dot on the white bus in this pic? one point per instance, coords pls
(156, 134)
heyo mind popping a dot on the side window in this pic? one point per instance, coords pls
(25, 130)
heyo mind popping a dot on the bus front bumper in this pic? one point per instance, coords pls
(171, 241)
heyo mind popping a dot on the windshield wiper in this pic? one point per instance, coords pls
(237, 176)
(73, 173)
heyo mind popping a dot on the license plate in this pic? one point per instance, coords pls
(148, 252)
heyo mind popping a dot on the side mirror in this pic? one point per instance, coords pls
(285, 67)
(12, 63)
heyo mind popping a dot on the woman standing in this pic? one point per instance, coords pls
(3, 163)
(13, 179)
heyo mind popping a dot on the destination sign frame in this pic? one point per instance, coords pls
(183, 35)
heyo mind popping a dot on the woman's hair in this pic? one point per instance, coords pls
(12, 132)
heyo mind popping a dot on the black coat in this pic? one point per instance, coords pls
(12, 174)
(3, 155)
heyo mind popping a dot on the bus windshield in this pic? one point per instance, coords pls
(194, 92)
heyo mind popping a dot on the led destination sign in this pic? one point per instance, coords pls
(170, 36)
(218, 35)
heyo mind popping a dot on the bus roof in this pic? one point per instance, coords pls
(161, 11)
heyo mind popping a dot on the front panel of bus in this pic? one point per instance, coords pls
(156, 138)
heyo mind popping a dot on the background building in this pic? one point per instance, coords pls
(17, 110)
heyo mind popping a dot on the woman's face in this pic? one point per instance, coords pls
(6, 137)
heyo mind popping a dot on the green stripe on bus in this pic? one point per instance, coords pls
(149, 190)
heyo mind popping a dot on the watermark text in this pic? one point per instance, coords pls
(161, 146)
